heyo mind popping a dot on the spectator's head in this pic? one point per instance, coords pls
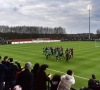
(43, 67)
(5, 58)
(28, 65)
(10, 59)
(36, 66)
(56, 77)
(93, 76)
(69, 72)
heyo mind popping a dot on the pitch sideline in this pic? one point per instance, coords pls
(60, 72)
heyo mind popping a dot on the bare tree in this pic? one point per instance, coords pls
(98, 33)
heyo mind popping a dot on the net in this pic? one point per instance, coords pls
(97, 42)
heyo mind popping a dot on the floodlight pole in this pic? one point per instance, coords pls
(89, 9)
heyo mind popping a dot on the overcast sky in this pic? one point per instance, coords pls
(70, 14)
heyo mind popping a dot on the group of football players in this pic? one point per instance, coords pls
(58, 52)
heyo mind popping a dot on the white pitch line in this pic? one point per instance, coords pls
(65, 73)
(59, 71)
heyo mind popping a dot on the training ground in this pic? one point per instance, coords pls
(86, 60)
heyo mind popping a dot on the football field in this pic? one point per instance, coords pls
(86, 60)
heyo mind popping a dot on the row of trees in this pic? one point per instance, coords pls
(32, 30)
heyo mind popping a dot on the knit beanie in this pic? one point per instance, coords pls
(28, 65)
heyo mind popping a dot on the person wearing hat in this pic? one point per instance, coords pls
(25, 78)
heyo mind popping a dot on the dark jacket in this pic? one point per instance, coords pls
(3, 68)
(34, 74)
(11, 73)
(25, 80)
(54, 85)
(41, 79)
(55, 81)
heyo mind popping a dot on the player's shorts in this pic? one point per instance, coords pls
(61, 55)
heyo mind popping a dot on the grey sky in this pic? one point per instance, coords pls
(70, 14)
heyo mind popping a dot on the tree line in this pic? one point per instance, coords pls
(32, 30)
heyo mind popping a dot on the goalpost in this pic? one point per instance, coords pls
(97, 42)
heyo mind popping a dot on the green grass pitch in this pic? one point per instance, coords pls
(86, 60)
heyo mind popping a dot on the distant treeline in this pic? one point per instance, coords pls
(31, 32)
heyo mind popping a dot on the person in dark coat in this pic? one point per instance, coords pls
(25, 78)
(35, 71)
(41, 78)
(10, 77)
(55, 81)
(3, 69)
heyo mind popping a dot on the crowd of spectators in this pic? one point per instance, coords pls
(35, 78)
(12, 74)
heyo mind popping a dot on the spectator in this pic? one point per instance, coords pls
(41, 78)
(66, 81)
(55, 81)
(25, 78)
(3, 68)
(10, 78)
(20, 69)
(5, 60)
(91, 83)
(35, 71)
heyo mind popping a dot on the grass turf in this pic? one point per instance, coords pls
(84, 63)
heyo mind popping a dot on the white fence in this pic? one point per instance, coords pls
(35, 41)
